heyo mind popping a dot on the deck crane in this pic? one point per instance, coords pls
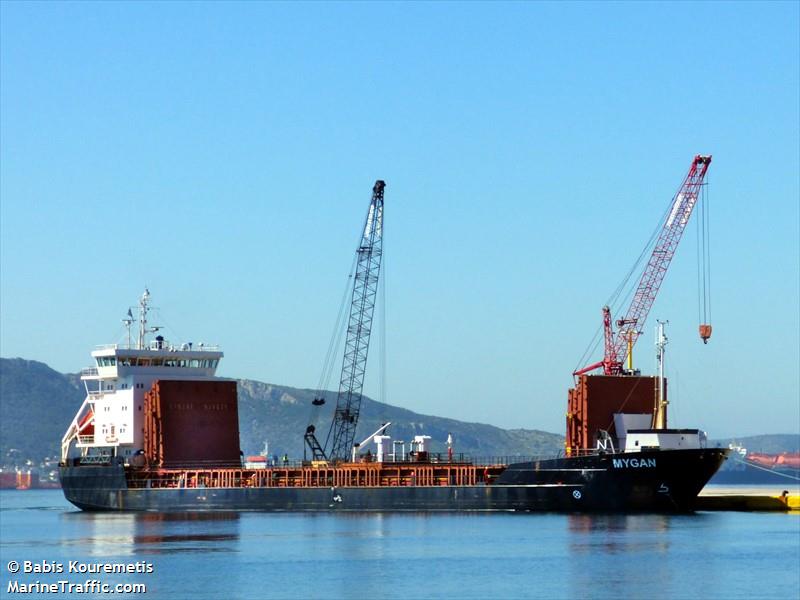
(341, 436)
(619, 345)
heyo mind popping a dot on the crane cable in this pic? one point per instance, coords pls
(336, 341)
(333, 346)
(704, 259)
(617, 299)
(382, 325)
(707, 204)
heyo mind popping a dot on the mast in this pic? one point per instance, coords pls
(660, 414)
(143, 308)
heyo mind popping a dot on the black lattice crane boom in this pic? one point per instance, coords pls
(341, 436)
(359, 327)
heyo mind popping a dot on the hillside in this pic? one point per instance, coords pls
(769, 444)
(37, 404)
(280, 414)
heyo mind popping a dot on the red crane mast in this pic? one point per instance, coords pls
(619, 345)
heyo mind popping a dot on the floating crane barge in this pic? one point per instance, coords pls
(158, 431)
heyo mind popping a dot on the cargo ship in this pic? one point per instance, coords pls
(158, 431)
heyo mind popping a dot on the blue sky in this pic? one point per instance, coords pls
(224, 154)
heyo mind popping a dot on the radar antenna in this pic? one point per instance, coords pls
(128, 321)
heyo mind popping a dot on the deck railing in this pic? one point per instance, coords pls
(347, 475)
(165, 345)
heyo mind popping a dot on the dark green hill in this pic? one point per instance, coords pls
(36, 406)
(280, 414)
(38, 403)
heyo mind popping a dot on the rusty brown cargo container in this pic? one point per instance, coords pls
(191, 423)
(594, 400)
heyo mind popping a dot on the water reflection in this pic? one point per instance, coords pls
(625, 552)
(128, 534)
(584, 523)
(617, 534)
(252, 555)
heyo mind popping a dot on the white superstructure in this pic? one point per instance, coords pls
(110, 422)
(638, 432)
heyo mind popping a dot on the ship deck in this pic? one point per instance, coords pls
(310, 476)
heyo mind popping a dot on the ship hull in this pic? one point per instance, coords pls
(665, 481)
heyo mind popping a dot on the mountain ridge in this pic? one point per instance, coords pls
(267, 412)
(32, 392)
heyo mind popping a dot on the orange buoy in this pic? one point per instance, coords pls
(705, 333)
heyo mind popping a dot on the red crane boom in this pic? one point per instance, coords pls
(617, 346)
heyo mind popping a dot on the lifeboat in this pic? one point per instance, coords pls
(86, 425)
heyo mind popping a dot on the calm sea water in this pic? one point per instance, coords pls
(383, 556)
